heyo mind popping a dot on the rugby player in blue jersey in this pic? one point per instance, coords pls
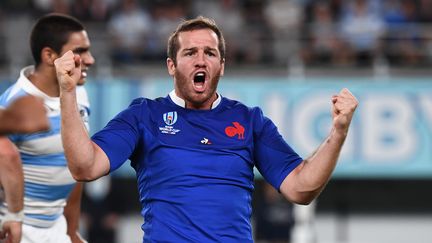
(51, 195)
(194, 150)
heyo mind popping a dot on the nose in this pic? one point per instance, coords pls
(200, 59)
(88, 59)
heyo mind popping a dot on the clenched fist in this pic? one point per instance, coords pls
(68, 69)
(344, 105)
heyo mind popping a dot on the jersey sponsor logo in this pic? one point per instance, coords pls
(236, 129)
(170, 117)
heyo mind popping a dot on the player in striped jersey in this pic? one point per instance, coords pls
(51, 195)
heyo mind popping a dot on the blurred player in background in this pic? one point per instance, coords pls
(25, 115)
(194, 151)
(51, 196)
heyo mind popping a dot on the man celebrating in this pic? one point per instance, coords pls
(194, 151)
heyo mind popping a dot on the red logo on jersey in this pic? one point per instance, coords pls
(237, 129)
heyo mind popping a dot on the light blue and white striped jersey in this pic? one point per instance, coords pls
(48, 181)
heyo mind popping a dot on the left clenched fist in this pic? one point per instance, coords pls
(68, 70)
(344, 105)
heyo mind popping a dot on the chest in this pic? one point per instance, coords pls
(203, 130)
(198, 143)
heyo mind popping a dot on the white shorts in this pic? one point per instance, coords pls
(55, 234)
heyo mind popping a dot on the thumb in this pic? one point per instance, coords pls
(76, 74)
(77, 60)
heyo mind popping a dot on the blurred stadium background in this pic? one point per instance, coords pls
(287, 56)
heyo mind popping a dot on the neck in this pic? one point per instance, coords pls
(211, 103)
(207, 105)
(45, 79)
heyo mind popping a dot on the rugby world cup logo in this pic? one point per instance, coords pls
(170, 118)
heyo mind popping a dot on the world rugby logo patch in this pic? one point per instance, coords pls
(170, 117)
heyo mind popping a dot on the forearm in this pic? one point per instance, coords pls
(318, 168)
(14, 190)
(72, 213)
(26, 114)
(307, 181)
(78, 147)
(6, 126)
(72, 210)
(11, 175)
(3, 127)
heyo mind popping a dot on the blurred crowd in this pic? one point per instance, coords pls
(276, 32)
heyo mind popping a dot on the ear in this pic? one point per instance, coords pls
(222, 67)
(48, 56)
(171, 66)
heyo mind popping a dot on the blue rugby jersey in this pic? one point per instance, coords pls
(48, 181)
(195, 167)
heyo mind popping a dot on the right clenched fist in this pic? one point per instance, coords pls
(68, 69)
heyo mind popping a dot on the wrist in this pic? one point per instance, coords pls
(11, 216)
(339, 134)
(66, 90)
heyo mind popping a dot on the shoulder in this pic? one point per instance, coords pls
(140, 110)
(253, 115)
(237, 106)
(139, 103)
(149, 103)
(145, 105)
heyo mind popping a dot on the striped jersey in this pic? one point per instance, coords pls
(47, 180)
(195, 168)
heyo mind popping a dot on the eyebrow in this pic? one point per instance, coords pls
(195, 48)
(189, 49)
(81, 49)
(210, 49)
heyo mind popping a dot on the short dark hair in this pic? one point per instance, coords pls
(53, 31)
(197, 23)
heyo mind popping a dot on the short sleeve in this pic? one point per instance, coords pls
(274, 158)
(119, 137)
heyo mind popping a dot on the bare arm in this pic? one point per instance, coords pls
(12, 181)
(86, 160)
(72, 213)
(306, 182)
(26, 114)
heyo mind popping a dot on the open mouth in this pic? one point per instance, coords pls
(199, 77)
(199, 81)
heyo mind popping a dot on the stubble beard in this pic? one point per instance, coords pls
(189, 94)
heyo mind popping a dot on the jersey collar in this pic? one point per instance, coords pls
(30, 88)
(180, 102)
